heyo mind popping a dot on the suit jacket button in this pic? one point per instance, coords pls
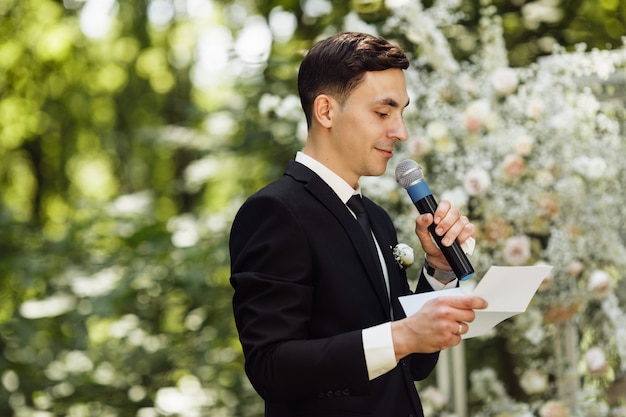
(329, 394)
(346, 391)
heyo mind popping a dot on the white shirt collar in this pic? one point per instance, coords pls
(343, 190)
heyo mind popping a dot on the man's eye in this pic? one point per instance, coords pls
(381, 114)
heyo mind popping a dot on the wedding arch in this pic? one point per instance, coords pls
(534, 155)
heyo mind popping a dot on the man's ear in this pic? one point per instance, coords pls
(323, 108)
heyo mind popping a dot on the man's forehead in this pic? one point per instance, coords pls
(389, 86)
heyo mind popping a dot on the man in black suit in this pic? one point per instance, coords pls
(317, 311)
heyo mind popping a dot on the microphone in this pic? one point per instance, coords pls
(409, 175)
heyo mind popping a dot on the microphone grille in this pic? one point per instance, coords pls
(408, 172)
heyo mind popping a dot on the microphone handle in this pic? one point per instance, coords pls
(454, 253)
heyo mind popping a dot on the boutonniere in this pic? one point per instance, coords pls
(403, 254)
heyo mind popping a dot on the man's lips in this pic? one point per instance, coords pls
(387, 152)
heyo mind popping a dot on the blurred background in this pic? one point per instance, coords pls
(130, 133)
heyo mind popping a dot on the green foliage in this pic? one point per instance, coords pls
(120, 314)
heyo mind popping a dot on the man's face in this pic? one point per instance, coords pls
(366, 128)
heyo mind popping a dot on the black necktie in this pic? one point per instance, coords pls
(356, 205)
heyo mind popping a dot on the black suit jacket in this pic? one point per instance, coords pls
(304, 290)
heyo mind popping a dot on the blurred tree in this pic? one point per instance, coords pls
(101, 307)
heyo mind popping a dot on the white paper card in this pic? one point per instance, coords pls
(507, 289)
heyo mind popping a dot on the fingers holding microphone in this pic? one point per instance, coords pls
(449, 224)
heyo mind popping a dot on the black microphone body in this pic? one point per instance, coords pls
(409, 175)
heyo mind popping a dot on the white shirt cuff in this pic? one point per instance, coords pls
(468, 246)
(437, 285)
(380, 356)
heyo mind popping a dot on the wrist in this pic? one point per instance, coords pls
(400, 342)
(442, 275)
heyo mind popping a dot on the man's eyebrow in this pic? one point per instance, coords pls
(391, 102)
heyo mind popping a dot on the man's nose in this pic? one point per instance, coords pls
(400, 132)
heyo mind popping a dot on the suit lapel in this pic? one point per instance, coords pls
(326, 196)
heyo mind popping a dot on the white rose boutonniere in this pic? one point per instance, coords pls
(403, 255)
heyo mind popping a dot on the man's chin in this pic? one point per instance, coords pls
(377, 172)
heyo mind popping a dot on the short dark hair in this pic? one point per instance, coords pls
(337, 65)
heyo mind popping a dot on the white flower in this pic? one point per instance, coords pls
(516, 250)
(599, 283)
(457, 197)
(403, 255)
(592, 168)
(394, 4)
(524, 145)
(535, 335)
(544, 178)
(504, 81)
(468, 84)
(434, 396)
(534, 381)
(588, 105)
(476, 114)
(535, 109)
(596, 361)
(437, 130)
(477, 182)
(419, 146)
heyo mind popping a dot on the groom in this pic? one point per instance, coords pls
(317, 311)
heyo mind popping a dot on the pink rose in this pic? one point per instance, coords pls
(514, 166)
(553, 409)
(516, 250)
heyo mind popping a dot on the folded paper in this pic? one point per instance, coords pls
(508, 291)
